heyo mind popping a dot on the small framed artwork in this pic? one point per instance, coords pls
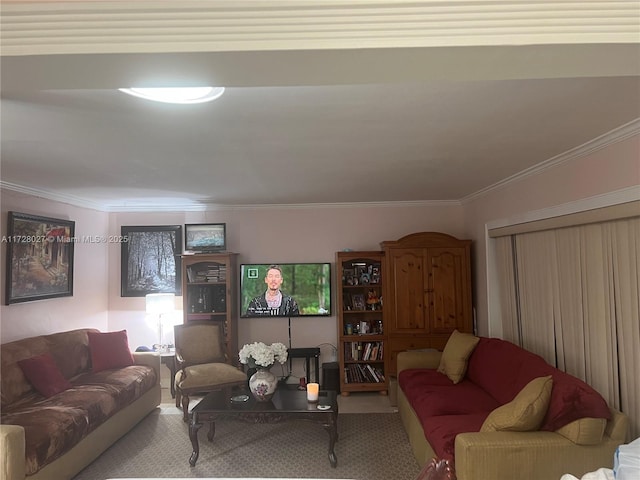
(205, 237)
(357, 301)
(39, 257)
(375, 274)
(347, 276)
(150, 260)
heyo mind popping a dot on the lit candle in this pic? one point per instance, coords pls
(312, 392)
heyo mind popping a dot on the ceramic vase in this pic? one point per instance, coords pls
(263, 385)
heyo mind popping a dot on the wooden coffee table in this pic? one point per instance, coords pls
(286, 404)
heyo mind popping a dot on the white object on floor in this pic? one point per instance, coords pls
(600, 474)
(626, 461)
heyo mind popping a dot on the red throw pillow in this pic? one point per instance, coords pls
(43, 373)
(109, 350)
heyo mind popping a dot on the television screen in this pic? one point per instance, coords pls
(205, 237)
(285, 289)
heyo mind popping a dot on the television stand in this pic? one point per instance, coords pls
(307, 354)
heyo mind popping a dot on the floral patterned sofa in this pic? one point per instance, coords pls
(66, 397)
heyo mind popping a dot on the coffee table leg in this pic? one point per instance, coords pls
(332, 429)
(194, 426)
(212, 431)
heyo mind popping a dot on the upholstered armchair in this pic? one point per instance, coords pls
(201, 362)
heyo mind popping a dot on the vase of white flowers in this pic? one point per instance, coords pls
(260, 356)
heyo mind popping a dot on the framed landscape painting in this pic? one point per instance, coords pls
(39, 257)
(150, 261)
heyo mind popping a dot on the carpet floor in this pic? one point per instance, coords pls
(370, 447)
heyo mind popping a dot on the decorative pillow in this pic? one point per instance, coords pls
(457, 351)
(109, 350)
(43, 373)
(585, 431)
(525, 412)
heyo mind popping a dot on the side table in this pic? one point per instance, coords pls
(307, 354)
(169, 359)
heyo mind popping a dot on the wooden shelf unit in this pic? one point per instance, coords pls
(361, 332)
(210, 294)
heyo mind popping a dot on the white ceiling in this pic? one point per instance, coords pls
(299, 127)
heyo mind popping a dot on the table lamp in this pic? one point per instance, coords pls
(160, 304)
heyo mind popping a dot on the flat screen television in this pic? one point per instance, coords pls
(304, 290)
(205, 237)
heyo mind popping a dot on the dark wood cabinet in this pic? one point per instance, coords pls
(209, 290)
(427, 294)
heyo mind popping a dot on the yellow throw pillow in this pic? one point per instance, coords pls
(525, 412)
(584, 431)
(457, 351)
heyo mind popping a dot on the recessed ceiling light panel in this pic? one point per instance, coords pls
(179, 95)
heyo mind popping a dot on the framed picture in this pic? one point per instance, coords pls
(358, 301)
(375, 274)
(347, 276)
(39, 258)
(150, 260)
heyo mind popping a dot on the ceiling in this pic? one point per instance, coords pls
(304, 127)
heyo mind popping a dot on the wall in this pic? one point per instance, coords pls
(278, 234)
(285, 234)
(614, 167)
(89, 304)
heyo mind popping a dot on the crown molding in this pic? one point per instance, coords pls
(614, 136)
(389, 204)
(195, 206)
(127, 206)
(617, 197)
(49, 195)
(142, 26)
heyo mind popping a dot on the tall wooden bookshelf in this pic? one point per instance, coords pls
(210, 293)
(361, 332)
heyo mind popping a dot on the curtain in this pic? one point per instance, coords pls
(537, 283)
(506, 272)
(571, 296)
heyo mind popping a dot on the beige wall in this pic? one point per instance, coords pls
(572, 184)
(88, 307)
(293, 234)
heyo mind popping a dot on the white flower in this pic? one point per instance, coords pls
(261, 354)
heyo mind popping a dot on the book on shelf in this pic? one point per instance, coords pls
(363, 373)
(208, 273)
(365, 351)
(372, 373)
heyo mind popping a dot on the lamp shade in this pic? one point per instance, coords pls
(159, 303)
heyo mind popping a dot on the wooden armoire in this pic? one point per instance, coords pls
(427, 292)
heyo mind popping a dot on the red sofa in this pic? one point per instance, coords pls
(450, 416)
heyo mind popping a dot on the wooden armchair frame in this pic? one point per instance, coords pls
(202, 365)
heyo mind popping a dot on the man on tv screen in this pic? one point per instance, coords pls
(273, 302)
